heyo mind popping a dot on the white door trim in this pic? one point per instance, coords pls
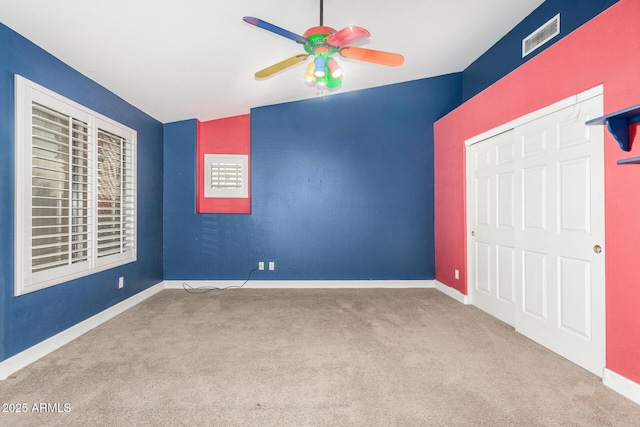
(567, 102)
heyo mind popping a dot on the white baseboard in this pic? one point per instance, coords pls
(300, 284)
(453, 293)
(621, 385)
(21, 360)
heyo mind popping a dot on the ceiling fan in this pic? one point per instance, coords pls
(323, 43)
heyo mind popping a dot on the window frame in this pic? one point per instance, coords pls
(26, 280)
(239, 162)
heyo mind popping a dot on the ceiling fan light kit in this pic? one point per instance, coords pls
(322, 43)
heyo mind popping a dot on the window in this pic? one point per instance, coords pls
(75, 190)
(225, 175)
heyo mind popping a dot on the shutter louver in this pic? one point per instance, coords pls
(116, 194)
(60, 197)
(226, 175)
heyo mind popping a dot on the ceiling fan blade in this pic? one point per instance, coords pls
(370, 55)
(280, 66)
(346, 36)
(274, 29)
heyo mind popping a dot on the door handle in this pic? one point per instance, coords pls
(597, 249)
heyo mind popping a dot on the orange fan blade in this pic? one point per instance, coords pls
(280, 66)
(370, 55)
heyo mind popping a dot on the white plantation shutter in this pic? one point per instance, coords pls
(116, 194)
(225, 175)
(60, 198)
(75, 190)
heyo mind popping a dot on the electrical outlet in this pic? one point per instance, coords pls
(457, 274)
(121, 283)
(272, 265)
(261, 265)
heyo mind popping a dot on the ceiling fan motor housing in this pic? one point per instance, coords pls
(317, 46)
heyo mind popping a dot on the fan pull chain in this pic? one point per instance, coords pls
(321, 12)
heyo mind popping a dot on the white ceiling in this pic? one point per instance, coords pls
(185, 59)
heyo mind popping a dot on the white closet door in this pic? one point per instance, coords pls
(493, 204)
(561, 293)
(536, 206)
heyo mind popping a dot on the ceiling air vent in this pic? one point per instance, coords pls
(541, 35)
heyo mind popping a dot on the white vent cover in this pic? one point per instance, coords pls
(225, 175)
(541, 35)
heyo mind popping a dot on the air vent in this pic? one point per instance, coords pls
(541, 35)
(225, 175)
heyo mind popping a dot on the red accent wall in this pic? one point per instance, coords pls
(231, 135)
(603, 51)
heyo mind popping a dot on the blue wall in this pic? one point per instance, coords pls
(342, 188)
(506, 55)
(31, 318)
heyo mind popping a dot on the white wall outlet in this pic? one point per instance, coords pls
(457, 274)
(121, 283)
(272, 265)
(261, 265)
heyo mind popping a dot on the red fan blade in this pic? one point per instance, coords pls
(370, 55)
(346, 36)
(280, 66)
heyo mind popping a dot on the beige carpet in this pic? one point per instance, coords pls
(309, 358)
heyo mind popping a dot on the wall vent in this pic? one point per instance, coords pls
(225, 175)
(541, 35)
